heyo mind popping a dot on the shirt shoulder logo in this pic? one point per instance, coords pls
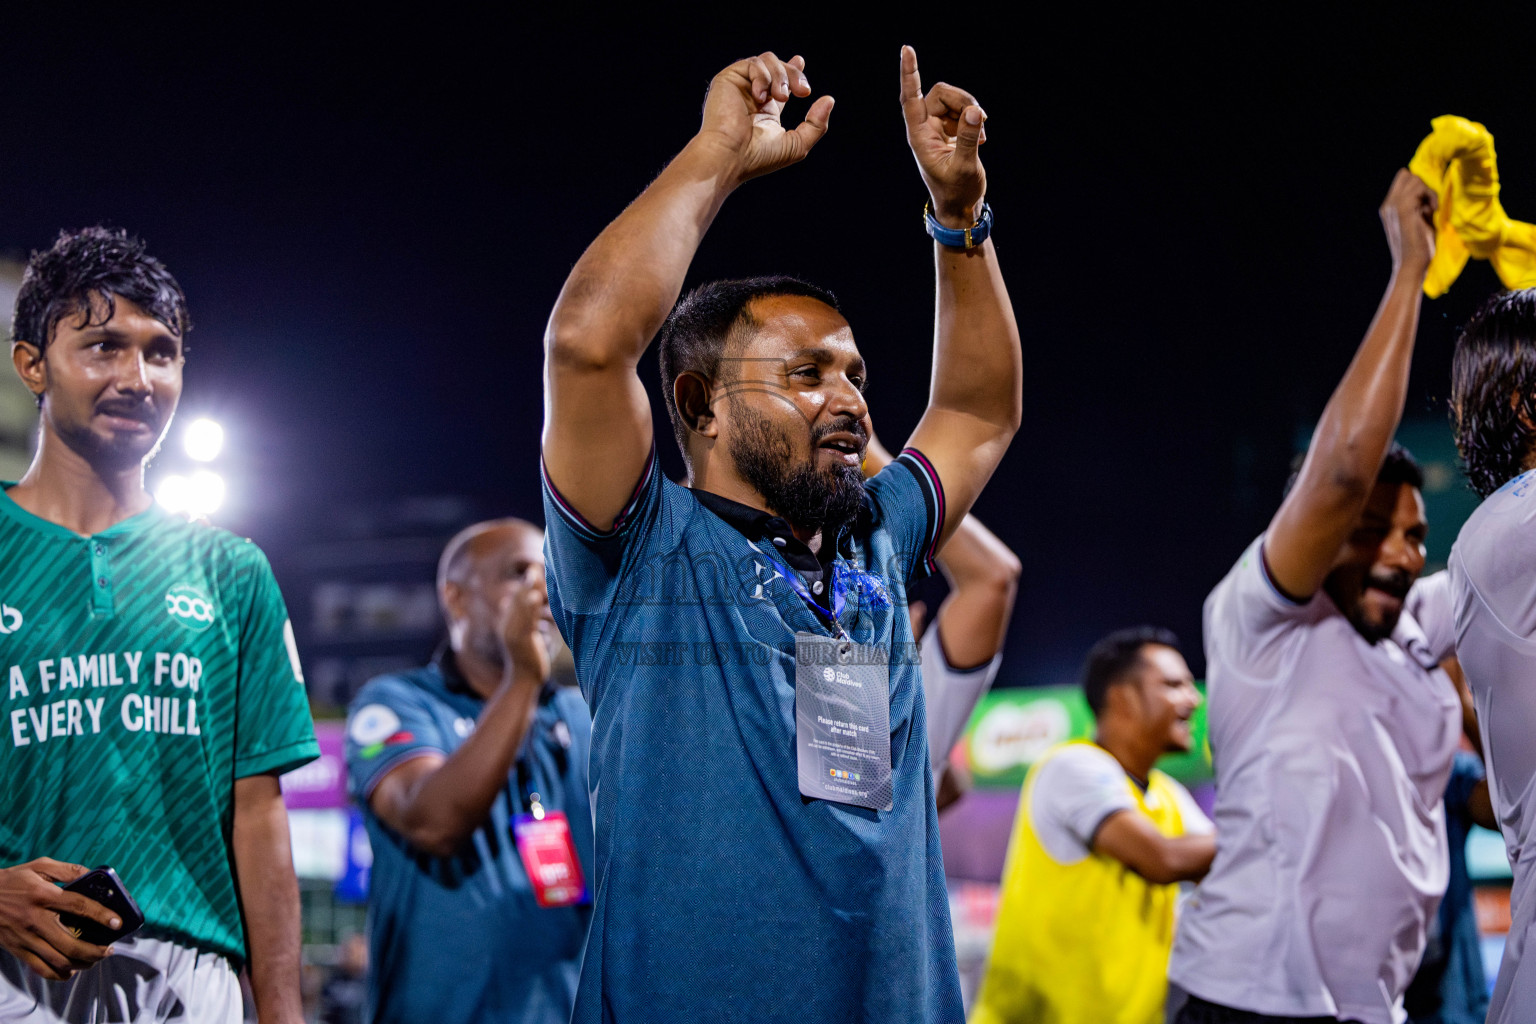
(372, 723)
(10, 619)
(191, 606)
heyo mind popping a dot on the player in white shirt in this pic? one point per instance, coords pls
(1493, 584)
(1332, 728)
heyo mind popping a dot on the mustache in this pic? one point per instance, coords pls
(1395, 582)
(128, 409)
(844, 424)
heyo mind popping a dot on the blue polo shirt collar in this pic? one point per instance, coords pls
(757, 524)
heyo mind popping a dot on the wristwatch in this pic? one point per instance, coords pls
(959, 238)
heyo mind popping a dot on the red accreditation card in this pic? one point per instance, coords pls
(550, 858)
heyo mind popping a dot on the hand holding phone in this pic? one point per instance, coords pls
(30, 905)
(104, 887)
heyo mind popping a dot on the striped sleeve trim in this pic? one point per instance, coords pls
(933, 498)
(585, 529)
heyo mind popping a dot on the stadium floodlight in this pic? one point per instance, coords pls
(201, 494)
(174, 493)
(203, 439)
(206, 490)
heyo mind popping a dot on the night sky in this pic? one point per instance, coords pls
(372, 220)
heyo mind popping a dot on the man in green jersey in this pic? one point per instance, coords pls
(151, 690)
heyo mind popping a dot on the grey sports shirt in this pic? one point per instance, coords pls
(1331, 757)
(1493, 586)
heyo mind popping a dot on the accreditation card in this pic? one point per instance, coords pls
(843, 721)
(545, 845)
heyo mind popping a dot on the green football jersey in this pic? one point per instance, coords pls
(144, 670)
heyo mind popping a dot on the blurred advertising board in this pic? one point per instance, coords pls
(322, 782)
(329, 840)
(1011, 728)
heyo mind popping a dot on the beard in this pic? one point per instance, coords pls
(116, 451)
(803, 496)
(1374, 630)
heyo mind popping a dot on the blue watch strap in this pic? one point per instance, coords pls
(959, 238)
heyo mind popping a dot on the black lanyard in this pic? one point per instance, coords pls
(532, 802)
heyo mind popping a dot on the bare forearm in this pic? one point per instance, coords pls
(1178, 859)
(1362, 415)
(1190, 857)
(975, 556)
(1135, 842)
(623, 286)
(269, 898)
(984, 575)
(446, 805)
(977, 364)
(1480, 805)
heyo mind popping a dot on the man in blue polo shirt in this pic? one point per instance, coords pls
(767, 844)
(472, 773)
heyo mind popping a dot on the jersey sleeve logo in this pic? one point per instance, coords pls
(191, 606)
(10, 620)
(372, 723)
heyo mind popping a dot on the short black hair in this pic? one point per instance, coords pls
(703, 321)
(1398, 466)
(94, 263)
(1493, 390)
(1115, 656)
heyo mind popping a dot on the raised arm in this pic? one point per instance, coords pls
(1358, 423)
(984, 578)
(976, 398)
(597, 419)
(437, 802)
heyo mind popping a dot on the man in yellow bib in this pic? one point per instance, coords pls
(1100, 842)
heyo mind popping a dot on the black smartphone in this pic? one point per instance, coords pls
(103, 886)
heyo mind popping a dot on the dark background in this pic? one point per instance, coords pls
(372, 219)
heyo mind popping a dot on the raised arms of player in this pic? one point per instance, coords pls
(1135, 842)
(437, 802)
(976, 399)
(1358, 423)
(597, 419)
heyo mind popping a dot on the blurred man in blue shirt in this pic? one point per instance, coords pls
(472, 773)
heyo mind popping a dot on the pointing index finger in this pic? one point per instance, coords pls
(911, 89)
